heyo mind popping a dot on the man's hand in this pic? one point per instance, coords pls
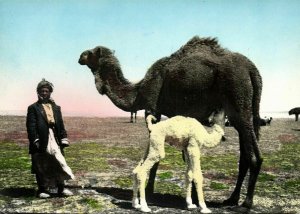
(65, 142)
(37, 143)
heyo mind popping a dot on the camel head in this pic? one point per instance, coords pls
(94, 58)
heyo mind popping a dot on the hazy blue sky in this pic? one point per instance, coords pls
(43, 39)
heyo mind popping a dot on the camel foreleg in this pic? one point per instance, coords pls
(195, 170)
(140, 176)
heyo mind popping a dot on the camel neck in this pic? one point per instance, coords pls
(119, 90)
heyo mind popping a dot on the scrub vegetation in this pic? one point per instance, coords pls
(103, 167)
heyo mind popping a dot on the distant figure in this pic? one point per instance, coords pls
(47, 138)
(296, 112)
(265, 121)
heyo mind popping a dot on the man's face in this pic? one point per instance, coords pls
(45, 93)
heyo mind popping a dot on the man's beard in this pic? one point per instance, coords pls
(44, 100)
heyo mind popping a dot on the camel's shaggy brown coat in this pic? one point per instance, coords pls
(198, 79)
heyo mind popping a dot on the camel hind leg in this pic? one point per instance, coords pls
(188, 182)
(250, 158)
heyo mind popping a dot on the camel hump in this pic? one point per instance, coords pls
(294, 111)
(203, 46)
(208, 41)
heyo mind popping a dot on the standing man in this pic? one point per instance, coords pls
(47, 138)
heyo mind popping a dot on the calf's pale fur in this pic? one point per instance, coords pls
(186, 134)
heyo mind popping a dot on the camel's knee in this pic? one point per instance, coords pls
(255, 164)
(198, 181)
(189, 175)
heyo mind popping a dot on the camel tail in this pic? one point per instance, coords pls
(214, 138)
(149, 120)
(257, 89)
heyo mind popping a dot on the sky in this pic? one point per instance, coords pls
(44, 39)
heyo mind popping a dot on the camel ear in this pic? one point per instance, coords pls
(98, 51)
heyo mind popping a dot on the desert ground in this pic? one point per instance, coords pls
(104, 151)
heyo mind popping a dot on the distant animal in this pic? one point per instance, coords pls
(296, 112)
(227, 122)
(186, 134)
(131, 116)
(195, 81)
(265, 121)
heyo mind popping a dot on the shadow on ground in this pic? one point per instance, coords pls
(18, 192)
(123, 199)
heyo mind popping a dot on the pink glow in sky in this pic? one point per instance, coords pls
(43, 39)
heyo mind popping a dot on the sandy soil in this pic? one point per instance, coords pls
(118, 131)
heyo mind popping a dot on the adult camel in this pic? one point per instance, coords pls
(296, 112)
(133, 116)
(196, 80)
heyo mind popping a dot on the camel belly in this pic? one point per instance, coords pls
(191, 104)
(178, 143)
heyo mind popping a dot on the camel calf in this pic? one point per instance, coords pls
(186, 134)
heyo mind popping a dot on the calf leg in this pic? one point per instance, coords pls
(194, 164)
(188, 182)
(159, 153)
(136, 184)
(141, 176)
(152, 155)
(151, 180)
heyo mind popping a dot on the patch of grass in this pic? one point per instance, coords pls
(173, 159)
(124, 182)
(93, 156)
(218, 186)
(165, 175)
(15, 166)
(273, 180)
(165, 187)
(265, 177)
(287, 159)
(13, 156)
(93, 203)
(86, 157)
(292, 185)
(226, 164)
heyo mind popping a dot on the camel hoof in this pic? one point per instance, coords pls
(247, 203)
(136, 206)
(191, 206)
(135, 203)
(205, 210)
(145, 209)
(240, 209)
(230, 202)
